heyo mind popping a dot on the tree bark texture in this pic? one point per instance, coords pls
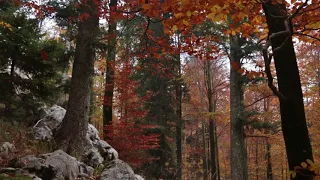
(179, 119)
(204, 157)
(111, 56)
(208, 82)
(269, 165)
(294, 127)
(239, 169)
(71, 137)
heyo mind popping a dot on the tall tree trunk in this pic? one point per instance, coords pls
(239, 169)
(217, 152)
(111, 56)
(293, 120)
(71, 137)
(208, 81)
(204, 141)
(269, 165)
(204, 157)
(92, 104)
(257, 158)
(179, 116)
(318, 78)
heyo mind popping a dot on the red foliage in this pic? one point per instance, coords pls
(132, 142)
(44, 55)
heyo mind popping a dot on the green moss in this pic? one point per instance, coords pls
(98, 170)
(14, 177)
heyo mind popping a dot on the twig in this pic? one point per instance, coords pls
(301, 34)
(262, 98)
(297, 11)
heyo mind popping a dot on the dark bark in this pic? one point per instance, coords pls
(318, 78)
(178, 118)
(71, 137)
(111, 56)
(239, 169)
(217, 152)
(208, 82)
(294, 127)
(269, 165)
(13, 64)
(257, 158)
(204, 157)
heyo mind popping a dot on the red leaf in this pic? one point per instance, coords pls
(235, 65)
(44, 55)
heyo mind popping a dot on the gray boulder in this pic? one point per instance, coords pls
(93, 157)
(30, 162)
(93, 134)
(6, 149)
(43, 129)
(63, 165)
(57, 165)
(117, 169)
(107, 151)
(138, 177)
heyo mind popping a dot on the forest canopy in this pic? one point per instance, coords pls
(204, 89)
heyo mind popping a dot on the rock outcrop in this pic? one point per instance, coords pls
(117, 169)
(58, 165)
(52, 118)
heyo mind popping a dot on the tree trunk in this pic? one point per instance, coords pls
(208, 82)
(269, 166)
(204, 157)
(294, 127)
(257, 158)
(111, 56)
(217, 152)
(179, 116)
(71, 137)
(239, 169)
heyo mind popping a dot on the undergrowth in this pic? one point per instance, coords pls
(17, 135)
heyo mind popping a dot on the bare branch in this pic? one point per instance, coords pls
(267, 60)
(299, 9)
(274, 35)
(260, 99)
(307, 35)
(286, 32)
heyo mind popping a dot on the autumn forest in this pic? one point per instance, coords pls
(181, 89)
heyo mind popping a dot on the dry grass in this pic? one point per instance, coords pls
(25, 145)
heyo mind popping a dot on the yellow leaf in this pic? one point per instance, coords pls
(294, 174)
(185, 22)
(304, 165)
(310, 162)
(179, 15)
(211, 16)
(189, 13)
(174, 28)
(146, 7)
(315, 25)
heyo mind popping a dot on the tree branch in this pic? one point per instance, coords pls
(312, 37)
(297, 11)
(262, 98)
(267, 60)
